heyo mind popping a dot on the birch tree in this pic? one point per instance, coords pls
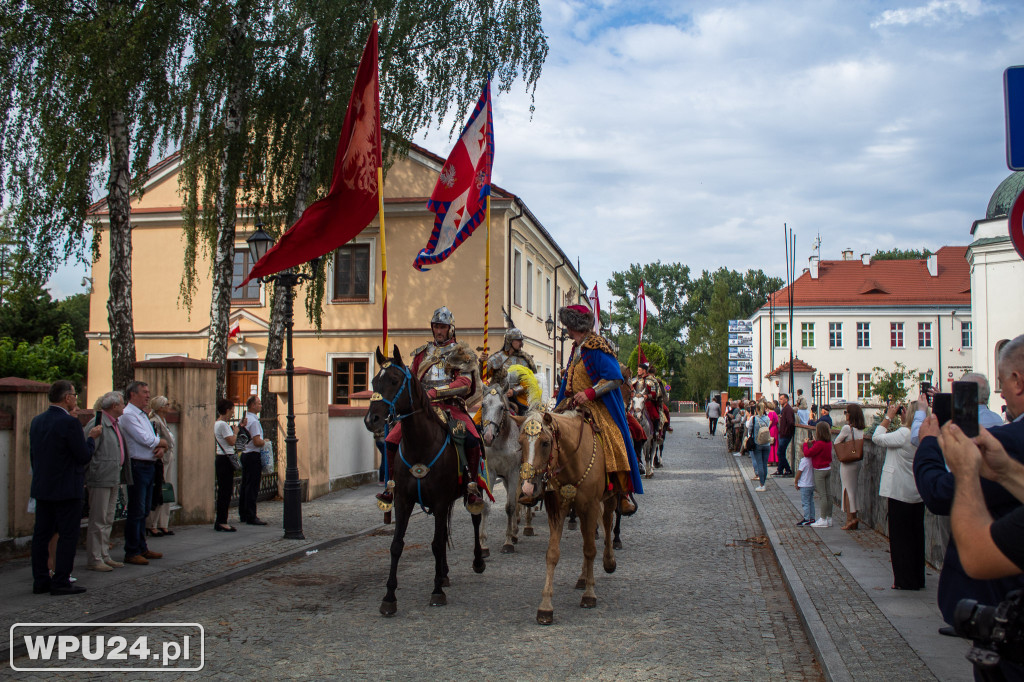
(85, 90)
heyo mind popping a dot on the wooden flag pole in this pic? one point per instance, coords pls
(487, 285)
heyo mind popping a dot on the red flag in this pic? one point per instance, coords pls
(351, 203)
(234, 331)
(595, 303)
(459, 200)
(643, 358)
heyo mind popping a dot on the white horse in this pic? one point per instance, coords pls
(500, 435)
(636, 406)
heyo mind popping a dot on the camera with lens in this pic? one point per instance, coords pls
(997, 631)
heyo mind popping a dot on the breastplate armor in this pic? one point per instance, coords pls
(437, 373)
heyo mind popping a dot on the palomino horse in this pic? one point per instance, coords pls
(636, 406)
(426, 471)
(501, 438)
(563, 462)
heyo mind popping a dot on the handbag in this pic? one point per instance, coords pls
(850, 451)
(167, 493)
(267, 457)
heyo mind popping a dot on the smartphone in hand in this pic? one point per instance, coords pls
(942, 407)
(965, 407)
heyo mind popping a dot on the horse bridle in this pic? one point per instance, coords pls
(392, 404)
(527, 471)
(484, 423)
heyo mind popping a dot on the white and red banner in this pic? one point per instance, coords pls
(595, 304)
(459, 200)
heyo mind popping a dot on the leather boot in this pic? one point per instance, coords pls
(473, 489)
(387, 496)
(851, 521)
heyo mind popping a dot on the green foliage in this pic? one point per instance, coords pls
(45, 360)
(901, 254)
(655, 355)
(892, 386)
(30, 314)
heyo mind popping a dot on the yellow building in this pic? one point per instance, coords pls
(530, 275)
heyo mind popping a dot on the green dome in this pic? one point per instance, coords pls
(1002, 199)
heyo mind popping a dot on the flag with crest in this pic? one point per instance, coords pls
(459, 200)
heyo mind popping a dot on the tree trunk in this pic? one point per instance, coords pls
(119, 302)
(225, 202)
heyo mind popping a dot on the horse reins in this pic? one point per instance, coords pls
(567, 491)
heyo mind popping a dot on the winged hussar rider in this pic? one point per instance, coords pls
(512, 354)
(447, 369)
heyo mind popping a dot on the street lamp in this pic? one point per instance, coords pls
(259, 243)
(549, 327)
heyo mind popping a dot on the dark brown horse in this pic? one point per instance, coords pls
(426, 470)
(563, 463)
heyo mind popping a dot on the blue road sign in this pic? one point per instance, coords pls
(1013, 88)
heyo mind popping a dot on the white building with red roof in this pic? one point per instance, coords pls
(855, 314)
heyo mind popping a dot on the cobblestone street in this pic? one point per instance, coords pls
(697, 594)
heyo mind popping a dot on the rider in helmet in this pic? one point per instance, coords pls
(447, 369)
(655, 399)
(510, 355)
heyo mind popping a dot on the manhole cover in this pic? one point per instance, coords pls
(304, 580)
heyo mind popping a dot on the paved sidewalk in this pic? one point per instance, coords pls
(841, 583)
(196, 558)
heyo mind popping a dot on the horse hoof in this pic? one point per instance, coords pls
(617, 544)
(485, 552)
(438, 600)
(572, 525)
(508, 549)
(588, 602)
(479, 566)
(581, 584)
(528, 532)
(545, 617)
(446, 582)
(609, 566)
(388, 608)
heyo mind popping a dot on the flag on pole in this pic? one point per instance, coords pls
(595, 303)
(641, 302)
(459, 200)
(351, 202)
(234, 331)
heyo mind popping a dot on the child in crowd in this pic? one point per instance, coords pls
(819, 452)
(805, 484)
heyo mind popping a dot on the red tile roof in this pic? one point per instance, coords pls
(884, 283)
(798, 366)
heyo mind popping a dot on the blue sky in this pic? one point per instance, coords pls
(691, 131)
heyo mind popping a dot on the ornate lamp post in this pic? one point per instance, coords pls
(259, 243)
(549, 327)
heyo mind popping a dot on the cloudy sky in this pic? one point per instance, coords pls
(691, 131)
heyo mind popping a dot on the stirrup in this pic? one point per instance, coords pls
(626, 506)
(386, 498)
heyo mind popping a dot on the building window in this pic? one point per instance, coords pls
(352, 273)
(966, 335)
(781, 334)
(863, 386)
(517, 279)
(863, 335)
(835, 334)
(924, 334)
(807, 334)
(250, 293)
(529, 287)
(350, 376)
(896, 334)
(547, 296)
(835, 387)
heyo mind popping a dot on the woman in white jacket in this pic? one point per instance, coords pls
(906, 509)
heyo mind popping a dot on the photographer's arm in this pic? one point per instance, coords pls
(971, 523)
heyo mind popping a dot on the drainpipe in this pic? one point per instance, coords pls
(555, 373)
(511, 254)
(938, 341)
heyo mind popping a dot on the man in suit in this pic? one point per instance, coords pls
(59, 452)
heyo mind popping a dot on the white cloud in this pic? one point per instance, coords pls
(936, 11)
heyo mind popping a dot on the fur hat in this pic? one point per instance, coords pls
(578, 318)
